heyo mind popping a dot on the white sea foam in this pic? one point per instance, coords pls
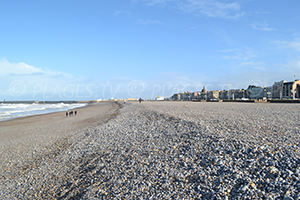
(11, 111)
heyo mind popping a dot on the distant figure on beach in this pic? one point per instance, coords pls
(75, 112)
(66, 114)
(140, 100)
(124, 101)
(71, 113)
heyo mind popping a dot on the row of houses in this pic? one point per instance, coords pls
(279, 90)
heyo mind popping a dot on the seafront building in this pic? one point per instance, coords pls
(259, 92)
(223, 94)
(159, 98)
(176, 97)
(286, 89)
(186, 96)
(131, 99)
(215, 94)
(232, 94)
(237, 94)
(279, 90)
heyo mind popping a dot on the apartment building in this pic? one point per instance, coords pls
(215, 94)
(286, 89)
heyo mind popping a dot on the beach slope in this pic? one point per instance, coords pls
(28, 142)
(169, 150)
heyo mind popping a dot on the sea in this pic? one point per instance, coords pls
(12, 111)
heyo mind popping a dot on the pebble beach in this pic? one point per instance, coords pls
(156, 150)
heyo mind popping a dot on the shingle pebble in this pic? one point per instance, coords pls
(173, 150)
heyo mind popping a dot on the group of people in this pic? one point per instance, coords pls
(71, 113)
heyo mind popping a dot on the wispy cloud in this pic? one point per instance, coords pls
(146, 22)
(260, 76)
(243, 54)
(243, 59)
(24, 81)
(32, 74)
(212, 8)
(20, 81)
(209, 8)
(255, 65)
(22, 69)
(154, 2)
(262, 26)
(175, 83)
(289, 44)
(293, 65)
(228, 50)
(224, 36)
(122, 13)
(246, 78)
(252, 63)
(7, 68)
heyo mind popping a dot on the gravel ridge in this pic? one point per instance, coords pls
(174, 150)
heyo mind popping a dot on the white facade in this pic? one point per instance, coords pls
(159, 98)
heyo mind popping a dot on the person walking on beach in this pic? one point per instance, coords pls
(75, 112)
(66, 114)
(140, 100)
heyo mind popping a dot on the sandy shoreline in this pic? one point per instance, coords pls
(22, 137)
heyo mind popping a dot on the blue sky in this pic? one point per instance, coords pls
(80, 50)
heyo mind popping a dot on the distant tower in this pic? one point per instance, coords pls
(203, 90)
(204, 93)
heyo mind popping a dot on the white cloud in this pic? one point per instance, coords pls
(228, 50)
(261, 76)
(209, 8)
(243, 59)
(153, 2)
(293, 66)
(223, 36)
(146, 22)
(168, 83)
(287, 44)
(122, 13)
(213, 8)
(262, 26)
(21, 68)
(243, 79)
(23, 81)
(255, 65)
(243, 54)
(252, 63)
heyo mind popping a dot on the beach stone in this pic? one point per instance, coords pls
(164, 150)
